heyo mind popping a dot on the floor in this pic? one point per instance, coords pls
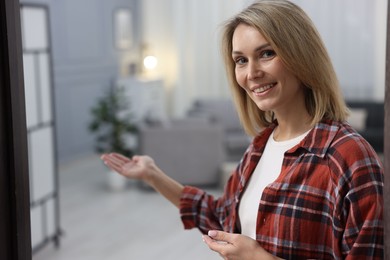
(115, 225)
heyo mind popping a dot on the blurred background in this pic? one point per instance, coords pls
(143, 76)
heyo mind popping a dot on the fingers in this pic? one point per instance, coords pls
(213, 244)
(114, 166)
(115, 161)
(217, 241)
(121, 157)
(116, 158)
(111, 160)
(221, 236)
(235, 246)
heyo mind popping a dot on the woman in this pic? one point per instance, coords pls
(308, 186)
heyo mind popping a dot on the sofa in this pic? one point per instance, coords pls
(367, 117)
(222, 111)
(194, 149)
(189, 150)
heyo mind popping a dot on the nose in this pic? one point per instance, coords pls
(255, 70)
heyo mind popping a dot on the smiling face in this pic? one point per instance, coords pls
(262, 73)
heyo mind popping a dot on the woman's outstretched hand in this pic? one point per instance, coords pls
(143, 168)
(235, 246)
(138, 167)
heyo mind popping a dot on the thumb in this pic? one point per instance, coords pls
(220, 235)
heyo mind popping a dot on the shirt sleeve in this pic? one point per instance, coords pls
(201, 210)
(361, 213)
(363, 234)
(197, 209)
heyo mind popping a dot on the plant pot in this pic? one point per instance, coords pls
(115, 181)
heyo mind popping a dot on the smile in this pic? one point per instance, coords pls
(264, 88)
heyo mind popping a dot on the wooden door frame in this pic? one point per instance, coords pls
(15, 228)
(387, 142)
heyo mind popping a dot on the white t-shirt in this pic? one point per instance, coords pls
(266, 171)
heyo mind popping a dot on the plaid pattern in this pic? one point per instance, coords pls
(327, 202)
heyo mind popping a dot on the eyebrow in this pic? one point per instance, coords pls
(256, 50)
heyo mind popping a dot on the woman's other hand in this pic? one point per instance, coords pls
(235, 246)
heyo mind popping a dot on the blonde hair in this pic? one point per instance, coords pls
(296, 41)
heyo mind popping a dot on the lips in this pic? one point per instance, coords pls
(263, 88)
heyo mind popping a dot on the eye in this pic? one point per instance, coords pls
(240, 60)
(268, 54)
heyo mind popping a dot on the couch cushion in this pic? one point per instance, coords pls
(218, 110)
(237, 140)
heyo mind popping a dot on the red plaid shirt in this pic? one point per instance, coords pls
(327, 202)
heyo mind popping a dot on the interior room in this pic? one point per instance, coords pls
(160, 60)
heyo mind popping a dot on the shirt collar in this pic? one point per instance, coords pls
(317, 141)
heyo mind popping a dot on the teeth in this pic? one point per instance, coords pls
(264, 88)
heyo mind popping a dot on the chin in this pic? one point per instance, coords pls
(262, 106)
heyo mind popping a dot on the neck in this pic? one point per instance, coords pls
(291, 125)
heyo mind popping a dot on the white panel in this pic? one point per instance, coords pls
(50, 217)
(30, 90)
(380, 23)
(42, 162)
(45, 87)
(34, 28)
(37, 235)
(123, 28)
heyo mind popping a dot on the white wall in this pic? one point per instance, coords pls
(184, 35)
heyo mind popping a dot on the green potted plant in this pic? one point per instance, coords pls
(113, 128)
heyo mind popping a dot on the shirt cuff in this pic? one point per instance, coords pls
(190, 202)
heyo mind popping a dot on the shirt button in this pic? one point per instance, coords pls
(264, 221)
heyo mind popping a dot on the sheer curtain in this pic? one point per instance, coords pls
(354, 32)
